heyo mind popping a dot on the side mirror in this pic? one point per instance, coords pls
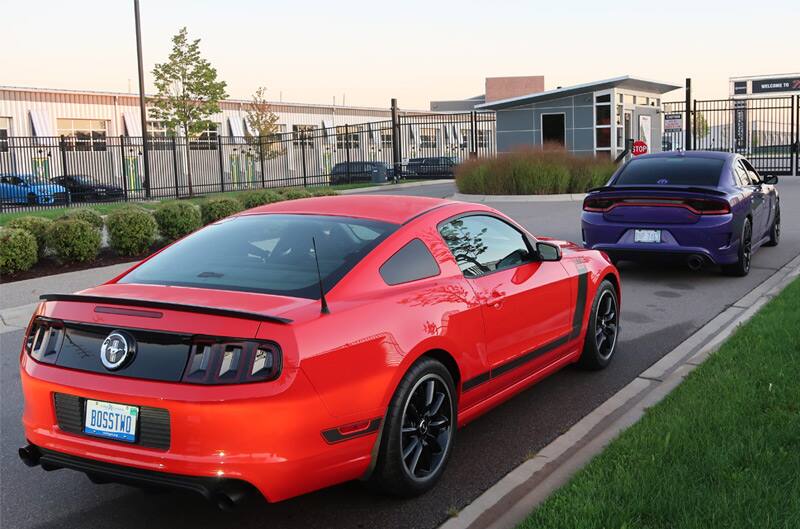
(548, 252)
(771, 179)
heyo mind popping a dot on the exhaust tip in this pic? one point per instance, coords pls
(29, 455)
(229, 498)
(695, 262)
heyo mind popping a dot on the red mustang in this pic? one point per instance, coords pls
(307, 343)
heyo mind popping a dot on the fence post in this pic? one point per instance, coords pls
(688, 129)
(63, 148)
(303, 136)
(396, 152)
(346, 144)
(694, 124)
(175, 166)
(261, 159)
(473, 125)
(122, 145)
(221, 164)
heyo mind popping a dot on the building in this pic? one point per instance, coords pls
(496, 88)
(592, 118)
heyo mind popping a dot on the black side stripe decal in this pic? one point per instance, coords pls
(580, 303)
(335, 436)
(577, 323)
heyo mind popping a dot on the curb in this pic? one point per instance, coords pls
(569, 197)
(388, 185)
(509, 501)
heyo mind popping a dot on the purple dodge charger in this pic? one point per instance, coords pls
(700, 206)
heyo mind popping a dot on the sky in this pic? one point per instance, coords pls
(366, 52)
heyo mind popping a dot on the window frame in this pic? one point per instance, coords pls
(5, 132)
(530, 240)
(92, 143)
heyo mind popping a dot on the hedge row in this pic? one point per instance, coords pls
(132, 230)
(533, 172)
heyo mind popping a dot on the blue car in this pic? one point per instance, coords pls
(701, 207)
(27, 189)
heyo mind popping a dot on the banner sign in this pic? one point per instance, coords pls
(786, 84)
(739, 88)
(673, 122)
(740, 125)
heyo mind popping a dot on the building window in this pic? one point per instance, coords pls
(483, 138)
(427, 138)
(5, 132)
(302, 134)
(602, 124)
(206, 140)
(158, 129)
(386, 140)
(83, 134)
(351, 140)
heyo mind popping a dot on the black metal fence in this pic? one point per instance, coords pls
(40, 172)
(765, 130)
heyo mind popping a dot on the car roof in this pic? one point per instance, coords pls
(689, 154)
(395, 209)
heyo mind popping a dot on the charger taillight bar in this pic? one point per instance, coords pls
(698, 206)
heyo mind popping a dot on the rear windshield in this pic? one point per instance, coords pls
(271, 254)
(677, 171)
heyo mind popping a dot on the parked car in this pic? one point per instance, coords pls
(18, 188)
(699, 206)
(88, 188)
(351, 172)
(431, 167)
(307, 343)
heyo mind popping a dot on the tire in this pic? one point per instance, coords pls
(742, 266)
(775, 230)
(405, 467)
(32, 198)
(602, 332)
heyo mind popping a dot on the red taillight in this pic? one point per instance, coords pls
(44, 339)
(597, 204)
(214, 361)
(709, 207)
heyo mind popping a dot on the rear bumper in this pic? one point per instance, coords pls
(267, 435)
(711, 237)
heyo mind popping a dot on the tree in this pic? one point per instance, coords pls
(263, 122)
(188, 91)
(701, 127)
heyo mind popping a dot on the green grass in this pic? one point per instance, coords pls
(104, 208)
(723, 450)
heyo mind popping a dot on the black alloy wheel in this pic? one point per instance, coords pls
(602, 333)
(742, 266)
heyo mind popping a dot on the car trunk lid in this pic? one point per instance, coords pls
(656, 204)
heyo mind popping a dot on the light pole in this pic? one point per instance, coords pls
(142, 107)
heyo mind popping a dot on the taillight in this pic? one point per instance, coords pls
(709, 207)
(231, 362)
(44, 340)
(597, 204)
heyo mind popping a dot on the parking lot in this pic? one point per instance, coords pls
(661, 307)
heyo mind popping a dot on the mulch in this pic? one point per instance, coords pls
(48, 266)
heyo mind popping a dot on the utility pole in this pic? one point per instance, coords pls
(687, 145)
(142, 103)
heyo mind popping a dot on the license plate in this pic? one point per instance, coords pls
(647, 236)
(112, 421)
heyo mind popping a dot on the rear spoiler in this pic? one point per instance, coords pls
(199, 309)
(692, 189)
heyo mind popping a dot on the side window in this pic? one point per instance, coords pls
(741, 175)
(482, 244)
(412, 262)
(751, 173)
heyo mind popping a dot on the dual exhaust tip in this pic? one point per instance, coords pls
(695, 262)
(227, 497)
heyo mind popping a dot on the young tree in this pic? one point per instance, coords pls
(188, 91)
(261, 123)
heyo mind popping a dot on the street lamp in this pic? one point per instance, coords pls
(142, 108)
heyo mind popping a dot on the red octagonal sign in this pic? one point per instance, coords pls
(639, 147)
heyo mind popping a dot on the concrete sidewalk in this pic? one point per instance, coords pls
(18, 299)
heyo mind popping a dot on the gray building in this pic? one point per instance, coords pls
(592, 118)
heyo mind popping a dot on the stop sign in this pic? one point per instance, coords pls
(639, 147)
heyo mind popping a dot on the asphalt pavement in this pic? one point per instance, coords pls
(661, 306)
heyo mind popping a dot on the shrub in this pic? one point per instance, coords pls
(73, 240)
(176, 219)
(214, 209)
(131, 231)
(533, 172)
(294, 193)
(322, 192)
(18, 250)
(36, 226)
(259, 198)
(89, 215)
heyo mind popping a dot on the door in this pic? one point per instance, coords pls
(761, 205)
(525, 302)
(553, 129)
